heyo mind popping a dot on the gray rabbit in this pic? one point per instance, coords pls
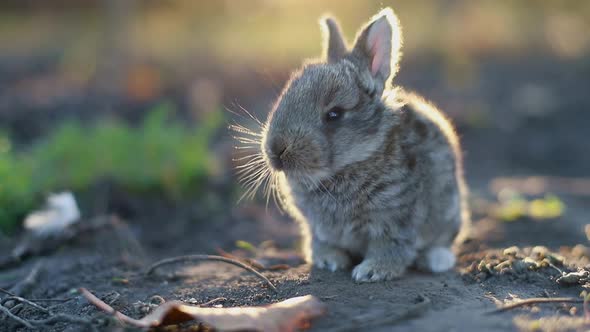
(372, 174)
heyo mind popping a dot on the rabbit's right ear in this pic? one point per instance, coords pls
(378, 47)
(334, 45)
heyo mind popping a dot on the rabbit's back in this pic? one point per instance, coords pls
(432, 142)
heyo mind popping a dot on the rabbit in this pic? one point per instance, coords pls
(372, 174)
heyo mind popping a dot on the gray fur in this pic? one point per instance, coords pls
(384, 182)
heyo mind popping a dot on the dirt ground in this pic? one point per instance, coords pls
(110, 262)
(455, 301)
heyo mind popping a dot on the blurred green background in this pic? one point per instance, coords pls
(136, 93)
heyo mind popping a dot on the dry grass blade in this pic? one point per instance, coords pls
(191, 258)
(536, 300)
(109, 310)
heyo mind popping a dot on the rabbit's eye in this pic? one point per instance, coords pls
(334, 114)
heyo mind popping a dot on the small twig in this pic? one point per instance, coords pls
(17, 308)
(279, 267)
(14, 310)
(13, 299)
(536, 300)
(29, 281)
(212, 301)
(64, 318)
(556, 268)
(189, 258)
(36, 324)
(9, 314)
(23, 287)
(116, 296)
(2, 290)
(249, 261)
(51, 300)
(110, 310)
(42, 323)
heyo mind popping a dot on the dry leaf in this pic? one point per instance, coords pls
(288, 315)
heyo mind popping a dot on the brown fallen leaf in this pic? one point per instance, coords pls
(288, 315)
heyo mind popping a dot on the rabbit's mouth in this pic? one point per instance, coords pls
(307, 177)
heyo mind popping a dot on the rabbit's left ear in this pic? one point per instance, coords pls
(334, 44)
(378, 46)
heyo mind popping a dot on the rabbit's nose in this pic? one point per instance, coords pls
(277, 151)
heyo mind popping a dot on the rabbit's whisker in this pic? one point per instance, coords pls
(252, 162)
(246, 140)
(249, 114)
(245, 147)
(247, 157)
(243, 130)
(253, 175)
(253, 185)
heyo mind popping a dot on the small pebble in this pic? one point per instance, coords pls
(511, 251)
(539, 252)
(157, 300)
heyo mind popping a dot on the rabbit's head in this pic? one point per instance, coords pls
(330, 113)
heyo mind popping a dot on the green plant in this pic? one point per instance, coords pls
(158, 155)
(513, 206)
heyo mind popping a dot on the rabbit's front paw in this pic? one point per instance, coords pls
(372, 270)
(330, 258)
